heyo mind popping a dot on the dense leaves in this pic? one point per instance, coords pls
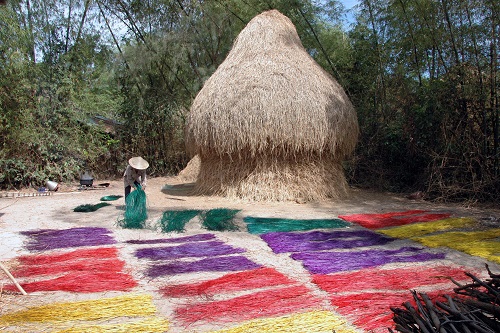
(86, 84)
(425, 83)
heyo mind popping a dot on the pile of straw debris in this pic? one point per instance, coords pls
(475, 307)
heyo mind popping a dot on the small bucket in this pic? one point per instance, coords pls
(52, 186)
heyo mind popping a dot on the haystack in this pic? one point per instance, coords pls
(270, 124)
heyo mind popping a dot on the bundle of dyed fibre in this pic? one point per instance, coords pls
(219, 219)
(48, 239)
(402, 278)
(92, 265)
(193, 238)
(249, 306)
(260, 225)
(111, 197)
(281, 242)
(330, 262)
(48, 259)
(368, 310)
(136, 212)
(176, 220)
(319, 321)
(215, 264)
(87, 208)
(83, 270)
(196, 249)
(477, 243)
(127, 306)
(392, 219)
(424, 228)
(150, 325)
(252, 279)
(82, 282)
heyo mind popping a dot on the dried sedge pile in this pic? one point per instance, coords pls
(474, 308)
(270, 124)
(271, 178)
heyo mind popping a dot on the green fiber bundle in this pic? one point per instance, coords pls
(176, 220)
(260, 225)
(87, 208)
(111, 197)
(220, 219)
(135, 211)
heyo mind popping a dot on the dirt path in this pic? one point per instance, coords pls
(56, 212)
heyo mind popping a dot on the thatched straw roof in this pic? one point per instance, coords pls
(270, 96)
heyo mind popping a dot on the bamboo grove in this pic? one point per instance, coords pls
(84, 84)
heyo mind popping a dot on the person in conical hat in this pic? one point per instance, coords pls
(135, 174)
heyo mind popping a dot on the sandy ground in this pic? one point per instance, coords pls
(56, 212)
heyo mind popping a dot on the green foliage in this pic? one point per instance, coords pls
(46, 101)
(423, 84)
(423, 76)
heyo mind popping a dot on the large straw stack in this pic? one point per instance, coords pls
(270, 123)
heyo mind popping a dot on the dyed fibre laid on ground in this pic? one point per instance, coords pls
(331, 262)
(371, 310)
(376, 221)
(219, 219)
(194, 238)
(82, 282)
(257, 278)
(87, 208)
(195, 249)
(261, 225)
(136, 212)
(58, 257)
(311, 322)
(476, 243)
(151, 325)
(281, 242)
(49, 239)
(93, 265)
(251, 306)
(176, 220)
(405, 278)
(111, 197)
(85, 270)
(216, 264)
(420, 229)
(100, 309)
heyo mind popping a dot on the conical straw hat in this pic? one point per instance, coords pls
(138, 163)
